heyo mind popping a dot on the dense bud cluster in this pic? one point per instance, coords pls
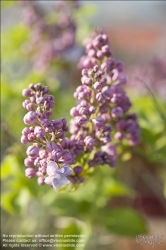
(48, 40)
(101, 118)
(46, 136)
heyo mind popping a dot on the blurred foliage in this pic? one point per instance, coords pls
(153, 129)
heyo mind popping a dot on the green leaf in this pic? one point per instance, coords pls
(116, 188)
(10, 166)
(8, 202)
(125, 221)
(71, 229)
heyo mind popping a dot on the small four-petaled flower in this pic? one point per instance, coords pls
(57, 177)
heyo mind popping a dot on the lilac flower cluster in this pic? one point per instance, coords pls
(101, 120)
(48, 40)
(46, 155)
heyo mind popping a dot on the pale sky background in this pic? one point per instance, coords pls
(145, 12)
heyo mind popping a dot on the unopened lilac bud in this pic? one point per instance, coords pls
(57, 124)
(97, 42)
(40, 180)
(88, 62)
(133, 141)
(104, 108)
(83, 110)
(37, 86)
(117, 112)
(95, 68)
(91, 163)
(60, 134)
(80, 179)
(50, 146)
(67, 157)
(31, 137)
(43, 154)
(26, 131)
(98, 85)
(32, 151)
(121, 125)
(40, 100)
(39, 132)
(99, 55)
(122, 78)
(105, 50)
(98, 75)
(66, 143)
(131, 126)
(29, 162)
(56, 155)
(77, 170)
(32, 86)
(26, 93)
(118, 135)
(63, 120)
(81, 120)
(30, 107)
(100, 97)
(41, 116)
(24, 139)
(46, 90)
(99, 121)
(78, 147)
(45, 123)
(49, 104)
(86, 80)
(107, 91)
(92, 110)
(74, 112)
(25, 103)
(30, 172)
(30, 118)
(89, 46)
(89, 141)
(105, 38)
(92, 53)
(84, 72)
(33, 99)
(110, 150)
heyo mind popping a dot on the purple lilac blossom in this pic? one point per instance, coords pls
(57, 177)
(47, 136)
(48, 41)
(101, 119)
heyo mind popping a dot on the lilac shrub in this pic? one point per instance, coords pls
(100, 121)
(48, 40)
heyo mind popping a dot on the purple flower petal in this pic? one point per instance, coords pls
(52, 168)
(57, 183)
(66, 170)
(48, 180)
